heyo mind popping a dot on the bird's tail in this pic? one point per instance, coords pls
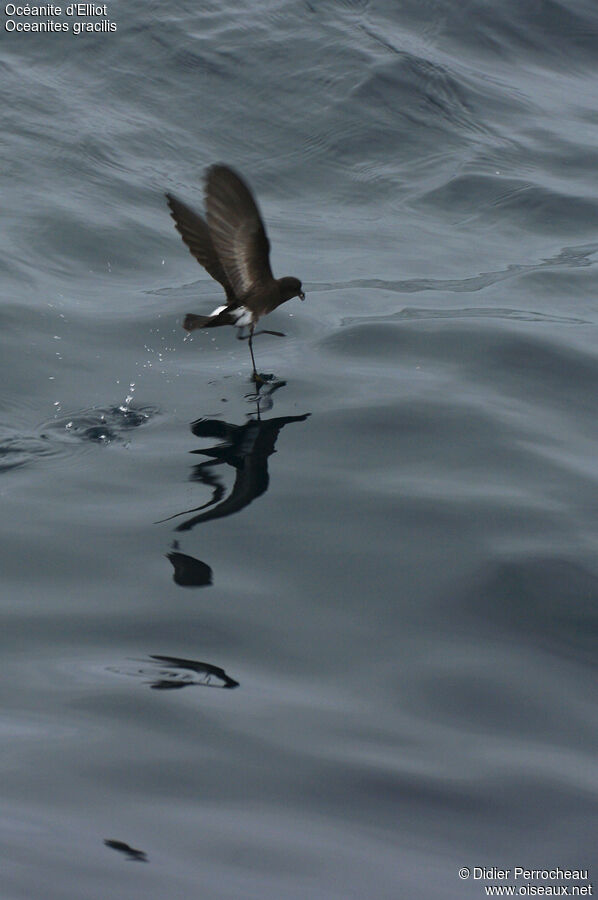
(192, 322)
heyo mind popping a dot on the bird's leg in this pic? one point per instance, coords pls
(256, 377)
(244, 337)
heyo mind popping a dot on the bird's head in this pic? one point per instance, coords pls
(290, 287)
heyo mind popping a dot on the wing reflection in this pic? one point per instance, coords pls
(164, 673)
(171, 677)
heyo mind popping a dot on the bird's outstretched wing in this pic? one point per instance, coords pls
(196, 234)
(237, 231)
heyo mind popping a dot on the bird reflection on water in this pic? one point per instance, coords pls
(246, 449)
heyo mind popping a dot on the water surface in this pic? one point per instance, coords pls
(338, 641)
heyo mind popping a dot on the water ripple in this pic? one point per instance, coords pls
(99, 426)
(415, 312)
(17, 450)
(568, 257)
(55, 437)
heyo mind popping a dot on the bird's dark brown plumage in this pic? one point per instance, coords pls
(238, 233)
(232, 246)
(196, 234)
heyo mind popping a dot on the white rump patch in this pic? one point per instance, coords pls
(242, 316)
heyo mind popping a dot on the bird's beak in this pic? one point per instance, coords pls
(301, 295)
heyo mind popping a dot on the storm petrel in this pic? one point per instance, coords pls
(232, 246)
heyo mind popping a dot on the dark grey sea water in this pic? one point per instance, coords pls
(343, 644)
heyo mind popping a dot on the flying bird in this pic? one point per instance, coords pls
(232, 246)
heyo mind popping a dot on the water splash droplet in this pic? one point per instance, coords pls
(124, 406)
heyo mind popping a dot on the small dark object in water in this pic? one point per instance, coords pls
(189, 571)
(135, 855)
